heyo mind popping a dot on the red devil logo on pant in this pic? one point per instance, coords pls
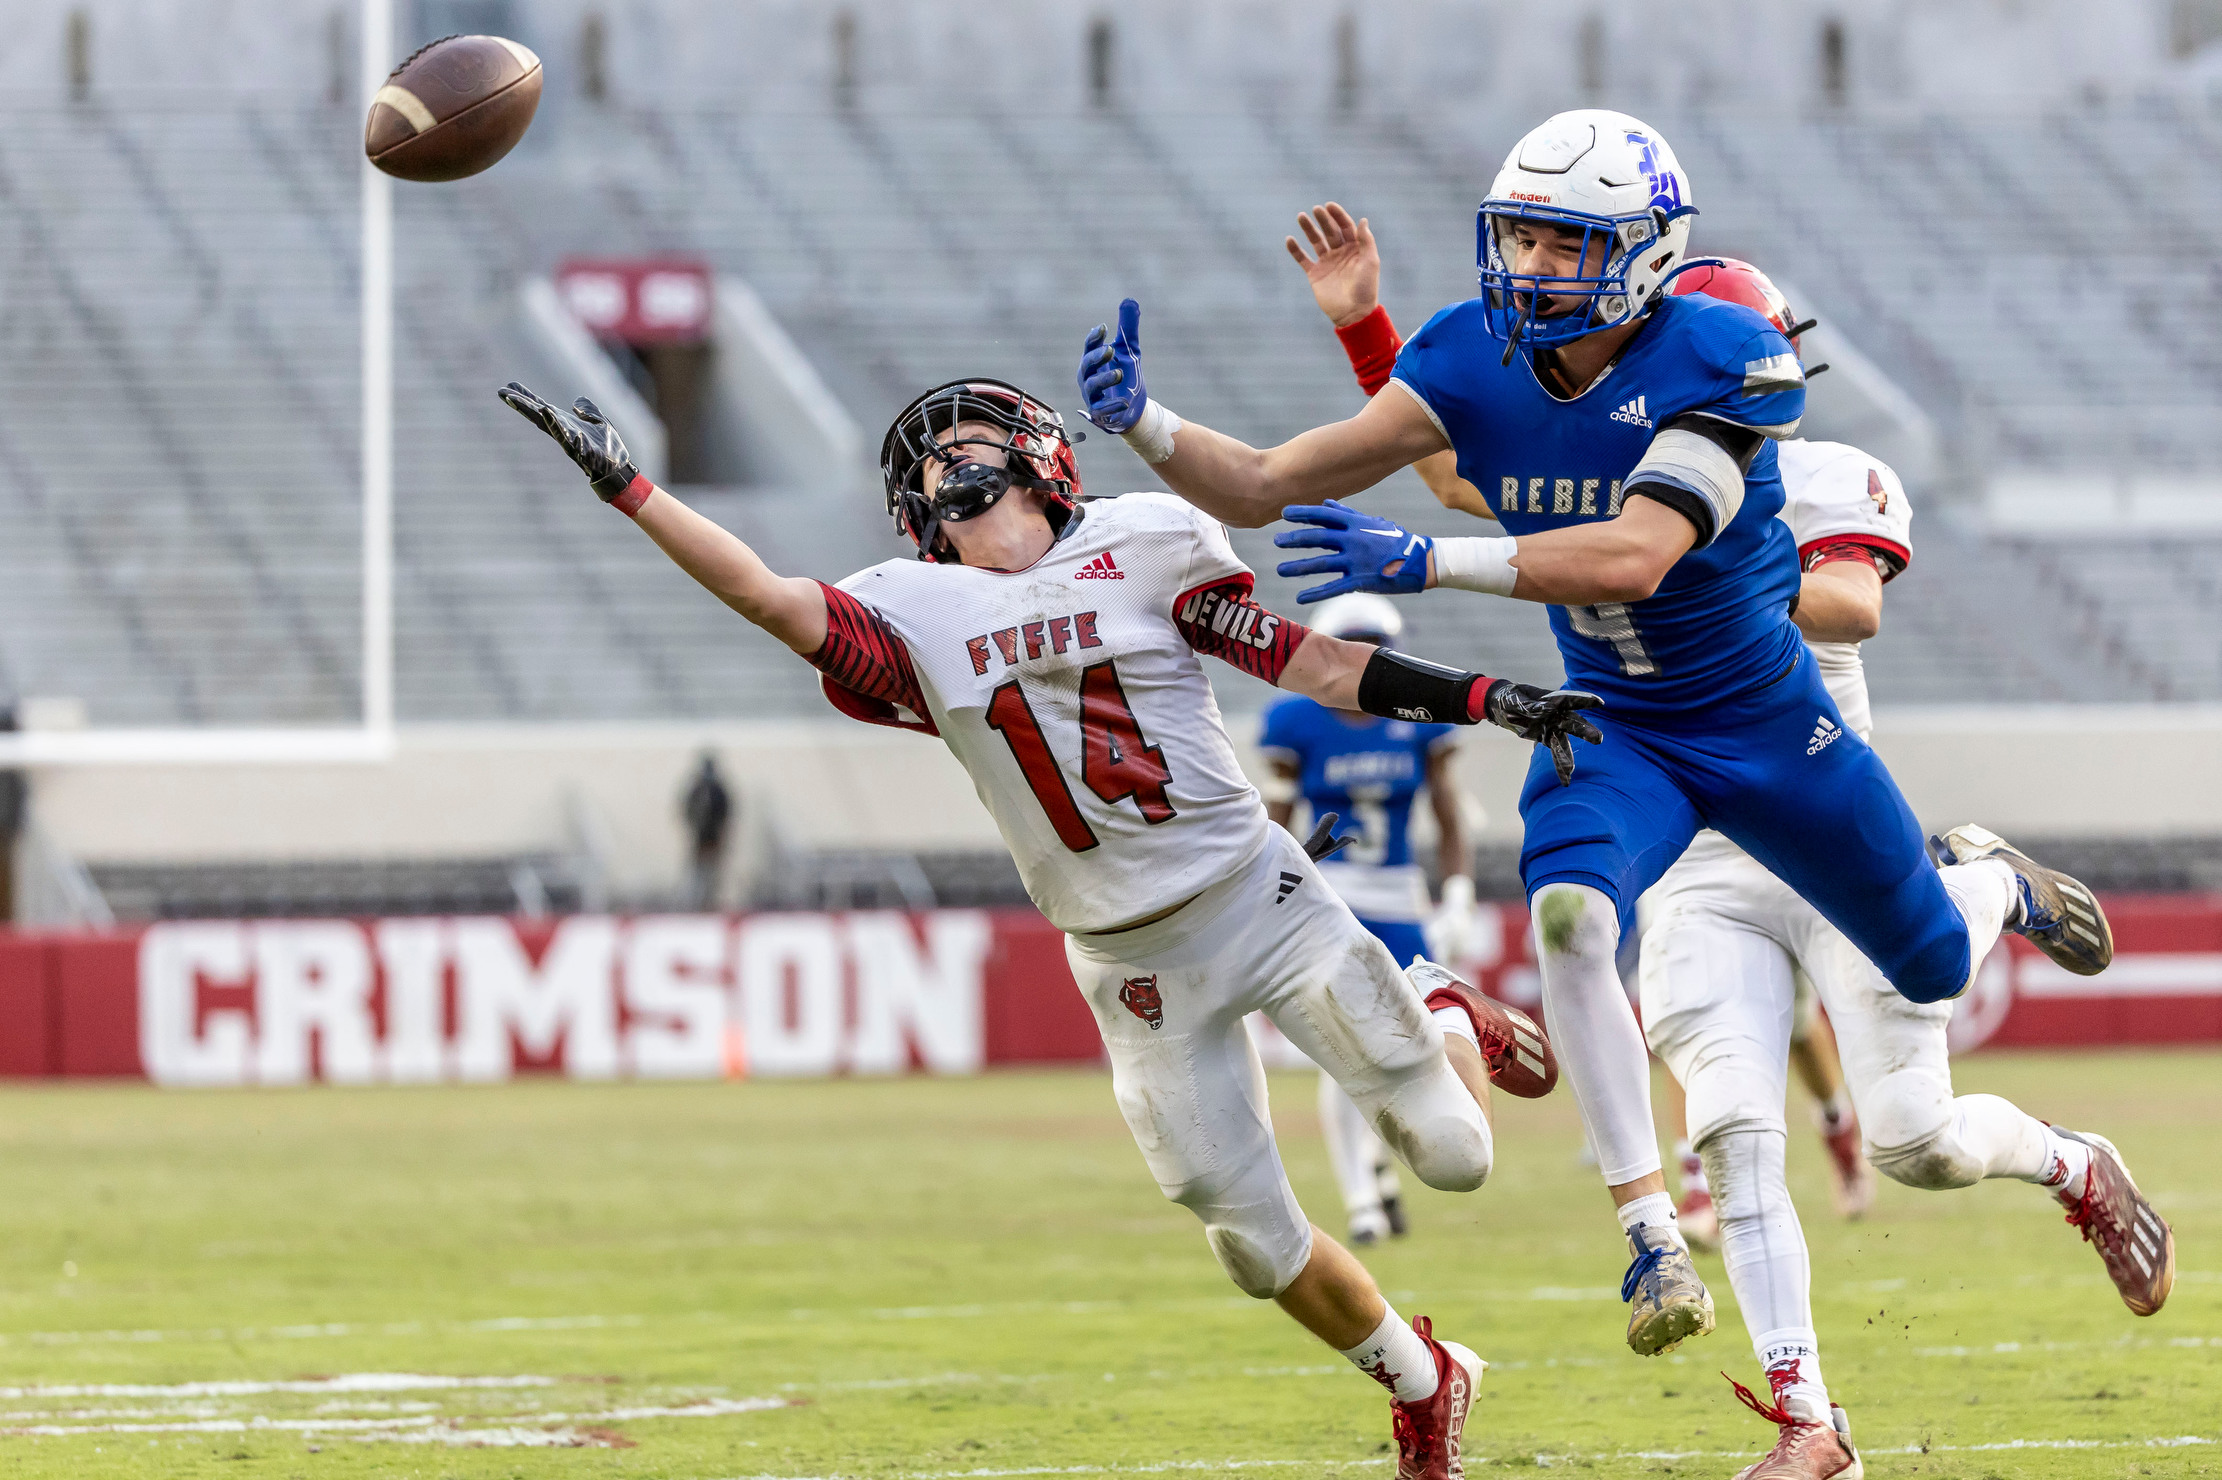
(1139, 993)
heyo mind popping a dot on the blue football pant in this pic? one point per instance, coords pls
(1779, 773)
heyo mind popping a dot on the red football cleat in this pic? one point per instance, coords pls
(1517, 1052)
(2135, 1241)
(1428, 1432)
(1807, 1448)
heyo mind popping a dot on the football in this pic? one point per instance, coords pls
(453, 108)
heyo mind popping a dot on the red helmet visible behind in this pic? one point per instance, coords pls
(1732, 281)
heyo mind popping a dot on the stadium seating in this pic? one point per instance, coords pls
(178, 435)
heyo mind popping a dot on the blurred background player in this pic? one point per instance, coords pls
(1343, 268)
(1370, 771)
(1054, 647)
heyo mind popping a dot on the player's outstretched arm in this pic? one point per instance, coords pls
(1228, 479)
(1343, 268)
(1619, 559)
(1223, 621)
(790, 608)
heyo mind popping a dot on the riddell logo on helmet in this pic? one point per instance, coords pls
(1102, 568)
(1541, 200)
(1139, 996)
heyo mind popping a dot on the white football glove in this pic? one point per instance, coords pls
(1453, 928)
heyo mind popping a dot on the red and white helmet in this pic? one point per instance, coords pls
(1037, 454)
(1733, 281)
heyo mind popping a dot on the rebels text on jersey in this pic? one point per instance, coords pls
(1717, 623)
(1072, 693)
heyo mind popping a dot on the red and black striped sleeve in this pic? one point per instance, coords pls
(865, 667)
(1221, 619)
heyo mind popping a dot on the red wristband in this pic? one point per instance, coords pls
(1372, 345)
(1477, 697)
(636, 493)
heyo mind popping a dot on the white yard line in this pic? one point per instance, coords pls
(415, 1424)
(349, 1382)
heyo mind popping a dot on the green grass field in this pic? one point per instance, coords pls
(940, 1277)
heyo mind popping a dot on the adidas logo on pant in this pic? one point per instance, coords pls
(1633, 413)
(1823, 733)
(1100, 569)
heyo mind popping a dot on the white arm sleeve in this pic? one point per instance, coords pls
(1692, 461)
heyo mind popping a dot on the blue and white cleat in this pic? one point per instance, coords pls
(2058, 914)
(1667, 1302)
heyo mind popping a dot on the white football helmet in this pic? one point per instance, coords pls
(1360, 616)
(1611, 179)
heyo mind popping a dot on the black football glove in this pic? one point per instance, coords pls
(1323, 844)
(585, 438)
(1552, 718)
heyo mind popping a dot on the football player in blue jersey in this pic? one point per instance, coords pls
(1371, 771)
(1626, 435)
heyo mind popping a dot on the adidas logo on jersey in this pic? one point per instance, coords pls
(1102, 568)
(1823, 734)
(1634, 413)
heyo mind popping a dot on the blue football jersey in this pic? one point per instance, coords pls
(1719, 623)
(1365, 768)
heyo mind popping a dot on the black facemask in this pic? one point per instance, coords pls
(969, 490)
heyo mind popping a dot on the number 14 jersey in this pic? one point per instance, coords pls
(1072, 693)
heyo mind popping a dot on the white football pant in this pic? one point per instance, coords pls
(1170, 999)
(1720, 954)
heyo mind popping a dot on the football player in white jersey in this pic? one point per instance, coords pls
(1726, 941)
(1054, 647)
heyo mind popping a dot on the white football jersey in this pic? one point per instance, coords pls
(1834, 493)
(1831, 494)
(1073, 694)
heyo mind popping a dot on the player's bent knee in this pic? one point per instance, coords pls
(1938, 1164)
(1574, 920)
(1261, 1262)
(1437, 1130)
(1906, 1123)
(1449, 1155)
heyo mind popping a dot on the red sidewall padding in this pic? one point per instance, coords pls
(945, 991)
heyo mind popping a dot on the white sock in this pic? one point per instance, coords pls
(1396, 1357)
(1594, 1030)
(1457, 1020)
(2067, 1168)
(1655, 1209)
(1989, 900)
(1794, 1352)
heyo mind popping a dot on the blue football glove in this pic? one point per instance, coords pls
(1363, 546)
(1111, 391)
